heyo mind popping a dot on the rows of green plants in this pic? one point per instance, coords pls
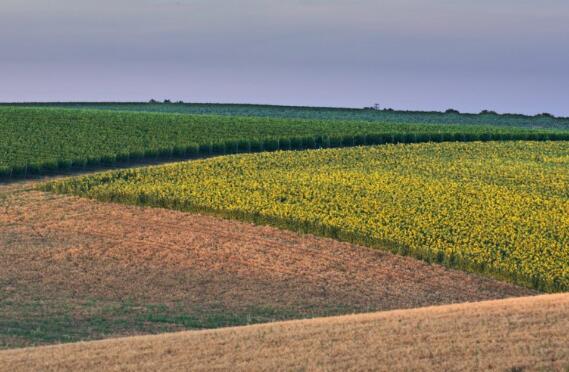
(500, 208)
(45, 140)
(326, 113)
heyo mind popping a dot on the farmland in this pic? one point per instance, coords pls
(528, 334)
(496, 208)
(375, 211)
(83, 270)
(48, 140)
(328, 113)
(165, 206)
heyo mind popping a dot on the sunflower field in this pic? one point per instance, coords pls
(498, 208)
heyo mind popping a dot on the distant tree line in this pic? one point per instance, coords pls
(153, 101)
(376, 107)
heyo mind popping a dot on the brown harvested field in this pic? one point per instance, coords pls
(530, 333)
(74, 269)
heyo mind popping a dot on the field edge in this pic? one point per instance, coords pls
(518, 324)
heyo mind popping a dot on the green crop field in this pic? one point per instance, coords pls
(327, 113)
(498, 207)
(44, 140)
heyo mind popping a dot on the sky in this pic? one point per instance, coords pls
(502, 55)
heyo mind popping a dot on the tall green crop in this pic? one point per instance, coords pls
(42, 140)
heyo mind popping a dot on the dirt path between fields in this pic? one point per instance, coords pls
(78, 269)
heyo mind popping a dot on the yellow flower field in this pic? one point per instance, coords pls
(500, 208)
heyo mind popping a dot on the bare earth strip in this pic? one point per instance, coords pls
(530, 333)
(77, 269)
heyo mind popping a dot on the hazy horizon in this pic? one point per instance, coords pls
(507, 56)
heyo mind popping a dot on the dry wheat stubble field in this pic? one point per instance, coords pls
(520, 334)
(82, 270)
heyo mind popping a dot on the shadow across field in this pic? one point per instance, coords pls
(46, 175)
(521, 334)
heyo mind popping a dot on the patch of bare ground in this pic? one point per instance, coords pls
(75, 269)
(530, 333)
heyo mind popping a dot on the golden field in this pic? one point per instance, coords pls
(521, 334)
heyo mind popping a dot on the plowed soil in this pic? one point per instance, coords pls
(75, 269)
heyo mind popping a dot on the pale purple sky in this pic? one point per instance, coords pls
(505, 55)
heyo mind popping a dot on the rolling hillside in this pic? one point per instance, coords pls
(530, 333)
(325, 113)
